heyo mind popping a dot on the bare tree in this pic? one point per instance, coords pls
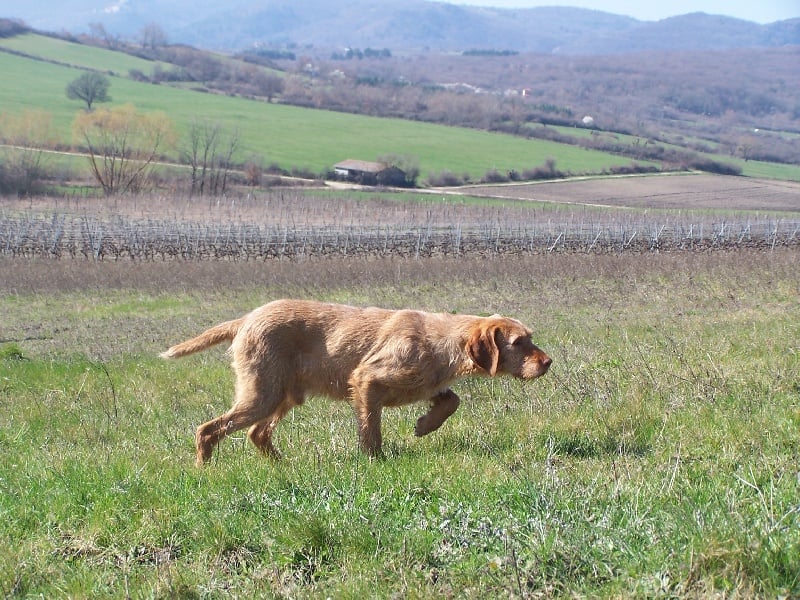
(101, 34)
(204, 67)
(209, 154)
(225, 163)
(267, 85)
(153, 37)
(253, 172)
(122, 145)
(90, 87)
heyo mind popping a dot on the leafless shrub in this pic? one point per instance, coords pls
(445, 179)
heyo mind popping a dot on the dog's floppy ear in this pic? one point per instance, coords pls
(482, 348)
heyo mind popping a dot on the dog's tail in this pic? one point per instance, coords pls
(219, 333)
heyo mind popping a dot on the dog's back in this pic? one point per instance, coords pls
(312, 347)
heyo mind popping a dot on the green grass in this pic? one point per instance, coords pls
(761, 169)
(292, 136)
(749, 168)
(658, 458)
(78, 55)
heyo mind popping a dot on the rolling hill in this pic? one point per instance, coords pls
(401, 25)
(286, 135)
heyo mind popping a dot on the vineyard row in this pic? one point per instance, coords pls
(71, 236)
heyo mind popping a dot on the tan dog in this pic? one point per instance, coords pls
(372, 357)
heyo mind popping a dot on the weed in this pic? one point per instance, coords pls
(11, 352)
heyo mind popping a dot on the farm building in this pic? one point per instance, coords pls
(369, 173)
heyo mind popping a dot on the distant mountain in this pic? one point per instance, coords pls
(695, 31)
(401, 25)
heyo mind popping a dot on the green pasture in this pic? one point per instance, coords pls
(750, 168)
(766, 170)
(90, 57)
(292, 136)
(658, 458)
(78, 55)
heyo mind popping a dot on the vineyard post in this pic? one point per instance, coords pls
(551, 248)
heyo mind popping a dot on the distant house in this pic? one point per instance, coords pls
(369, 173)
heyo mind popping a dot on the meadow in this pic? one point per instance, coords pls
(658, 458)
(291, 136)
(294, 137)
(72, 54)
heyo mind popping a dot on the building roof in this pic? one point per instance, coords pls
(363, 166)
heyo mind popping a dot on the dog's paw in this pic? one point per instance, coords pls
(423, 426)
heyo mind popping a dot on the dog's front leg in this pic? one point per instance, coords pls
(444, 404)
(368, 417)
(367, 400)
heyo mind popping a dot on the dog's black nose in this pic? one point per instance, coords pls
(547, 361)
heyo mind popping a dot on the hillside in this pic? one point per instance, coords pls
(293, 138)
(543, 124)
(401, 25)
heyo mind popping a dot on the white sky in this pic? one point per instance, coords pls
(760, 11)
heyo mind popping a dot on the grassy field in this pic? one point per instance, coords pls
(292, 136)
(658, 458)
(749, 168)
(78, 55)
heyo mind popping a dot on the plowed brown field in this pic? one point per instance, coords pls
(684, 191)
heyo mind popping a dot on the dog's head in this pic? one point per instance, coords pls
(502, 345)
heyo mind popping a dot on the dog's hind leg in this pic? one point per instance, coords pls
(261, 433)
(253, 404)
(444, 404)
